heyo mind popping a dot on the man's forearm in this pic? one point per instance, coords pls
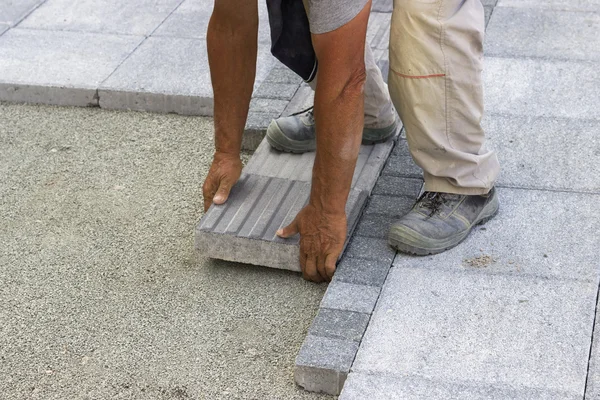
(232, 49)
(339, 119)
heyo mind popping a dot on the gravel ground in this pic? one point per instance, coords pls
(101, 293)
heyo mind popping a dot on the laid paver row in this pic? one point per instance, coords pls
(327, 354)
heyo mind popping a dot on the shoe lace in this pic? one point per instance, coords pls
(432, 201)
(310, 114)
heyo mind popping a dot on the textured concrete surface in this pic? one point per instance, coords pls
(569, 5)
(79, 63)
(361, 386)
(534, 87)
(546, 153)
(486, 329)
(12, 11)
(593, 382)
(274, 188)
(139, 17)
(544, 33)
(101, 294)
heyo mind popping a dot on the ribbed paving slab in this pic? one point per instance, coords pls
(273, 188)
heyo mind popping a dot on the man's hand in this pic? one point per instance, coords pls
(322, 238)
(223, 174)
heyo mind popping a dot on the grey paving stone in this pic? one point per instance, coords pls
(360, 386)
(546, 153)
(402, 166)
(282, 91)
(521, 332)
(570, 5)
(370, 249)
(378, 30)
(139, 17)
(390, 206)
(190, 20)
(536, 233)
(3, 28)
(350, 297)
(244, 228)
(534, 87)
(361, 272)
(263, 105)
(339, 324)
(322, 364)
(489, 3)
(487, 14)
(376, 225)
(543, 33)
(80, 61)
(167, 75)
(593, 380)
(384, 6)
(303, 99)
(256, 127)
(282, 74)
(397, 186)
(12, 11)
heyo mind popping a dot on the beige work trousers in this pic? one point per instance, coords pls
(436, 58)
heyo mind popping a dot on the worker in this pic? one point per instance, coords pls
(435, 84)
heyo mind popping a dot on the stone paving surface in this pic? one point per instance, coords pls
(511, 312)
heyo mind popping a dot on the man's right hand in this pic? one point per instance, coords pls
(223, 174)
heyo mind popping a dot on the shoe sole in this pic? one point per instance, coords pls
(277, 139)
(399, 242)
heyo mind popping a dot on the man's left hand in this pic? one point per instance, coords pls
(322, 238)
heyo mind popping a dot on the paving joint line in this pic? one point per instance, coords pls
(587, 375)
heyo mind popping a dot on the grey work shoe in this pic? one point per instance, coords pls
(440, 221)
(296, 133)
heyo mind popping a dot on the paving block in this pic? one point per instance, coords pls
(359, 271)
(168, 74)
(256, 127)
(389, 206)
(570, 5)
(139, 17)
(403, 166)
(190, 20)
(339, 324)
(382, 6)
(11, 11)
(3, 28)
(322, 364)
(282, 91)
(350, 297)
(534, 87)
(398, 186)
(370, 249)
(244, 229)
(282, 74)
(487, 15)
(376, 225)
(80, 62)
(552, 34)
(360, 386)
(593, 379)
(556, 158)
(302, 100)
(269, 106)
(536, 233)
(486, 329)
(489, 3)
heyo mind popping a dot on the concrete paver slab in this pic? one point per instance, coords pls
(350, 297)
(570, 5)
(536, 233)
(518, 331)
(543, 33)
(56, 67)
(3, 28)
(139, 17)
(593, 381)
(167, 74)
(546, 153)
(360, 386)
(12, 11)
(534, 87)
(190, 20)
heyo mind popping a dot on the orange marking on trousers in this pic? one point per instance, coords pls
(418, 76)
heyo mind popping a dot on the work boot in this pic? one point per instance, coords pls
(296, 133)
(440, 221)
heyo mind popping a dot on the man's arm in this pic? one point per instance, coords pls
(339, 117)
(232, 38)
